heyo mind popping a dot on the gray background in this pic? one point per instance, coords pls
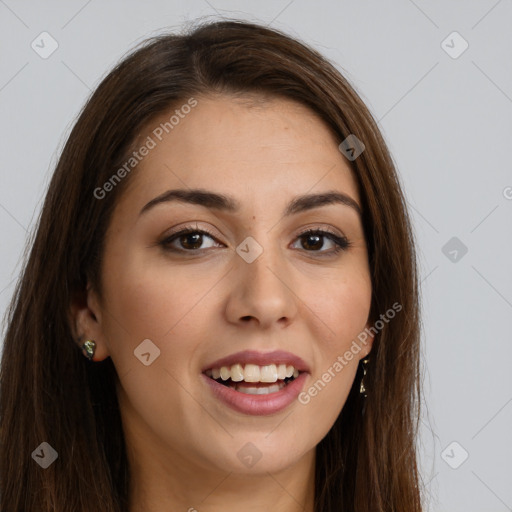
(448, 122)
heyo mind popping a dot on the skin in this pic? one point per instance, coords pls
(207, 303)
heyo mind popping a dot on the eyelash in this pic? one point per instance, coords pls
(341, 242)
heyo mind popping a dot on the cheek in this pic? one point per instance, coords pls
(155, 303)
(153, 297)
(343, 309)
(343, 312)
(343, 306)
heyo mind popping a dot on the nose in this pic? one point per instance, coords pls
(262, 293)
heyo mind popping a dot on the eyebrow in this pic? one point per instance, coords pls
(221, 202)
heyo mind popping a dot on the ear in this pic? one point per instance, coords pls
(85, 320)
(366, 339)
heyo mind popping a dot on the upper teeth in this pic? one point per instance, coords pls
(253, 372)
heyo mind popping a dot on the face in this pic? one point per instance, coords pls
(262, 269)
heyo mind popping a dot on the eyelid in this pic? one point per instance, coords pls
(324, 228)
(302, 231)
(190, 228)
(166, 241)
(341, 242)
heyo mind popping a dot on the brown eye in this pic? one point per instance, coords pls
(314, 241)
(191, 240)
(188, 240)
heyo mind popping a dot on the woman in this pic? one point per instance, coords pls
(226, 241)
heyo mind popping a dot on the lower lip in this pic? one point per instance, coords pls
(258, 405)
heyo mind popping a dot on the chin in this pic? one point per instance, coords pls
(257, 454)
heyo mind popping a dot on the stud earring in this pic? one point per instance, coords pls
(362, 389)
(89, 347)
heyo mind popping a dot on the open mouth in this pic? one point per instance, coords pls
(253, 379)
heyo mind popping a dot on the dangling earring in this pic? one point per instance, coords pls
(362, 389)
(89, 347)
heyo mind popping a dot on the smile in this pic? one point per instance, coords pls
(257, 383)
(253, 379)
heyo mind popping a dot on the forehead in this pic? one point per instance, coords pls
(253, 148)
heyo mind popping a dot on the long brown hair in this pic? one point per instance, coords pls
(51, 393)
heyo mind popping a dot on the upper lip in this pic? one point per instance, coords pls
(261, 359)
